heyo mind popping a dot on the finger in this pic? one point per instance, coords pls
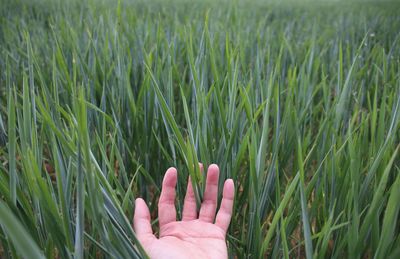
(166, 204)
(190, 206)
(141, 220)
(209, 205)
(225, 211)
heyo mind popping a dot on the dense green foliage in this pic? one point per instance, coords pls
(298, 103)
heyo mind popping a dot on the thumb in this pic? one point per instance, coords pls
(141, 221)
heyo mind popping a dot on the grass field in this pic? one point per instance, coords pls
(299, 103)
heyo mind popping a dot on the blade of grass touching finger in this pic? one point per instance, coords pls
(194, 170)
(129, 193)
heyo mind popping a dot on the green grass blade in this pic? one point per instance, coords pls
(19, 236)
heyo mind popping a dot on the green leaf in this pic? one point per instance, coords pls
(19, 236)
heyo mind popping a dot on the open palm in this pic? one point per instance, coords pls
(195, 236)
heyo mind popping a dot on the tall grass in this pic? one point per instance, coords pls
(299, 103)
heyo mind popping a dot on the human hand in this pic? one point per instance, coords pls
(194, 236)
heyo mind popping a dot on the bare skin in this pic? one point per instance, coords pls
(196, 236)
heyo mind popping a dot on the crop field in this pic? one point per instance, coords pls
(297, 102)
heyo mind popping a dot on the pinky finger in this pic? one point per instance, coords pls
(224, 214)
